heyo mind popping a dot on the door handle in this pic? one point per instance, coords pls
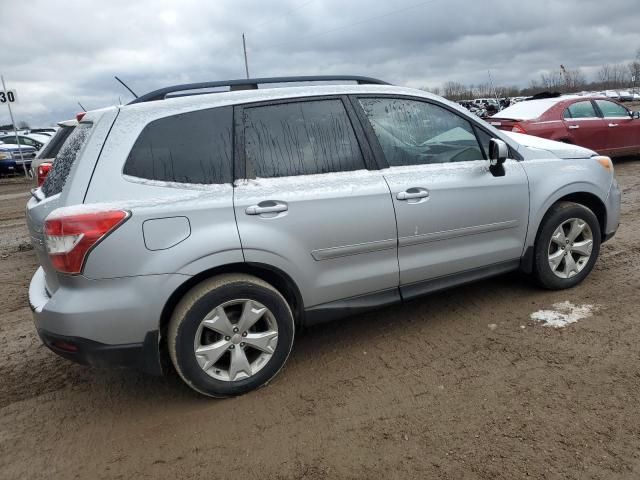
(268, 206)
(573, 127)
(611, 125)
(412, 193)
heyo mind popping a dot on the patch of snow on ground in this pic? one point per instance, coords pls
(563, 314)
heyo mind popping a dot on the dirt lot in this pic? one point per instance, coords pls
(458, 385)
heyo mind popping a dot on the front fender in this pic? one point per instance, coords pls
(551, 180)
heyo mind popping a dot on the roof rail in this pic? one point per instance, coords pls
(252, 84)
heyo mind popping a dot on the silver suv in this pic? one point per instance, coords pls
(202, 231)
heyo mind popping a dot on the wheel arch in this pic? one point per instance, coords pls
(280, 280)
(587, 199)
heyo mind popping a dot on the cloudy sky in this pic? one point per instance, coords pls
(56, 56)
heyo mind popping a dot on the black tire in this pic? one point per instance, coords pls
(557, 214)
(202, 299)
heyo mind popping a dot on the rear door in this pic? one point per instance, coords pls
(453, 215)
(623, 132)
(585, 127)
(310, 201)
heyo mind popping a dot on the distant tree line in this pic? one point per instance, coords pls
(608, 77)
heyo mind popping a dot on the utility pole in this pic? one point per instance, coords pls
(244, 49)
(15, 130)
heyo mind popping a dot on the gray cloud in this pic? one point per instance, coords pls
(56, 54)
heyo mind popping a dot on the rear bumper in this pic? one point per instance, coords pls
(141, 356)
(110, 322)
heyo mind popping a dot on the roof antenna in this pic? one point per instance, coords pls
(244, 49)
(83, 109)
(125, 86)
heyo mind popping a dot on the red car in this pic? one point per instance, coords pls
(597, 123)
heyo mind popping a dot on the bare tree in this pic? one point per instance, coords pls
(614, 76)
(455, 91)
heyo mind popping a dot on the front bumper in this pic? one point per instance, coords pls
(613, 211)
(111, 322)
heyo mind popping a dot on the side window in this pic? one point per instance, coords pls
(580, 110)
(192, 147)
(612, 110)
(412, 132)
(300, 138)
(55, 181)
(485, 139)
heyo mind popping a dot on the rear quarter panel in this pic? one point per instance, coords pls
(212, 238)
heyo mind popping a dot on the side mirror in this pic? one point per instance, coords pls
(498, 153)
(635, 115)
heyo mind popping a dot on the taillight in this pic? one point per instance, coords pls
(43, 170)
(518, 128)
(70, 238)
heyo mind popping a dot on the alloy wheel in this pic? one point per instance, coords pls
(570, 248)
(236, 340)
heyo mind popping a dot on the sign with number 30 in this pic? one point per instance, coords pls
(8, 97)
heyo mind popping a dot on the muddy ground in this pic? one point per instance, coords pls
(459, 385)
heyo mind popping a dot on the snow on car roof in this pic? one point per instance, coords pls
(529, 109)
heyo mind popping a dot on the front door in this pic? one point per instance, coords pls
(623, 131)
(584, 127)
(310, 206)
(453, 215)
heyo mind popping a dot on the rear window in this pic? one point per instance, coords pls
(65, 159)
(192, 147)
(52, 148)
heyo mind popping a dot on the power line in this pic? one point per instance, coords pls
(359, 22)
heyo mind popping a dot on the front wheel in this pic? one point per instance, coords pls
(567, 246)
(230, 334)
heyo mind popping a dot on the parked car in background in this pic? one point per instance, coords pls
(44, 161)
(13, 157)
(44, 131)
(167, 234)
(32, 140)
(625, 96)
(597, 123)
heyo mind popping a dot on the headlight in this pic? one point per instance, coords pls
(605, 162)
(5, 156)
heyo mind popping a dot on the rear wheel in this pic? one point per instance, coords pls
(567, 246)
(230, 334)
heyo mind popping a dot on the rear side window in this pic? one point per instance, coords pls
(580, 110)
(301, 138)
(192, 147)
(66, 157)
(612, 110)
(54, 145)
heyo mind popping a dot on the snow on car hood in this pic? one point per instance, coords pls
(561, 150)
